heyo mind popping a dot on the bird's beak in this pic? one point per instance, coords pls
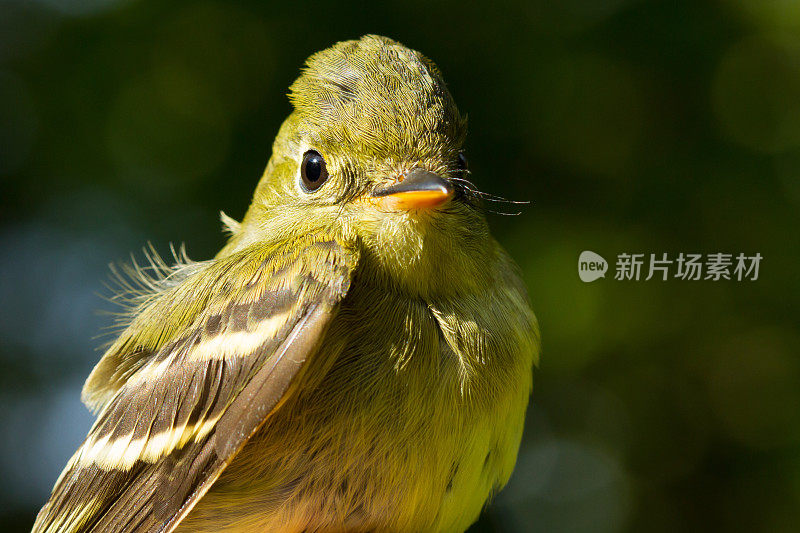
(420, 189)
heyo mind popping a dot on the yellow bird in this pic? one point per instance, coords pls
(358, 357)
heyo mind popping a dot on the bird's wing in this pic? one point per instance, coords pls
(188, 401)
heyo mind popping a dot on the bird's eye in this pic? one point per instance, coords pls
(461, 163)
(313, 171)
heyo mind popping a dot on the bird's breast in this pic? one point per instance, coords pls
(387, 439)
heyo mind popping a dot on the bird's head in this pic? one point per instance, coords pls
(373, 153)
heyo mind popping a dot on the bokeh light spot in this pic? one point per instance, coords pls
(565, 486)
(756, 94)
(753, 387)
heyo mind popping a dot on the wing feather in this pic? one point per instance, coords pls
(166, 432)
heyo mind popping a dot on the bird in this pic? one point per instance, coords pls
(357, 357)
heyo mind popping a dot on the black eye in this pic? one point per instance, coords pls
(313, 171)
(461, 163)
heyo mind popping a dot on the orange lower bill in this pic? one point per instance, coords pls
(413, 200)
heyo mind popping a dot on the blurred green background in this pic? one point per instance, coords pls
(632, 126)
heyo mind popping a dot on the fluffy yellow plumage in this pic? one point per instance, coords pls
(358, 357)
